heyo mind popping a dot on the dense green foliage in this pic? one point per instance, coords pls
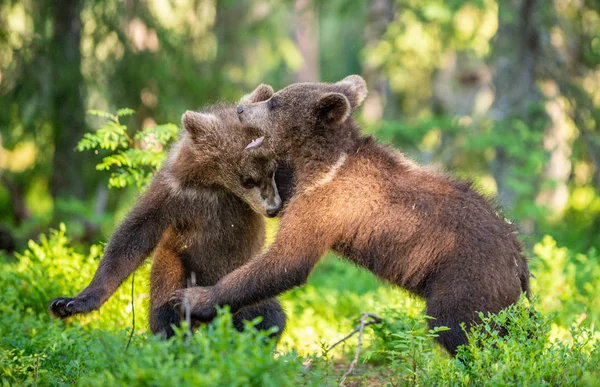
(92, 350)
(542, 347)
(133, 160)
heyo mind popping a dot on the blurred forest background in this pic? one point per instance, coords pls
(505, 93)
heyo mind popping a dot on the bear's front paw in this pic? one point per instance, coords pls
(197, 301)
(65, 307)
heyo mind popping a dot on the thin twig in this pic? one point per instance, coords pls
(132, 313)
(374, 319)
(359, 329)
(308, 366)
(188, 309)
(188, 319)
(37, 366)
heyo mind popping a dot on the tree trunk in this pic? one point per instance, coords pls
(381, 13)
(517, 53)
(557, 142)
(307, 39)
(68, 107)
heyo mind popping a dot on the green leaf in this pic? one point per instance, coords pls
(100, 113)
(125, 112)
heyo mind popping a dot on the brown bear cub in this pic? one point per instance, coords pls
(409, 225)
(202, 216)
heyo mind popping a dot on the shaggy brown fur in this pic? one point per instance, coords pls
(197, 213)
(409, 225)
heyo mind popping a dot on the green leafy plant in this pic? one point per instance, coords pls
(518, 346)
(133, 160)
(91, 349)
(568, 283)
(527, 354)
(404, 342)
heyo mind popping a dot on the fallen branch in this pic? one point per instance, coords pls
(374, 320)
(365, 320)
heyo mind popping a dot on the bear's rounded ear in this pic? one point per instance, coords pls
(196, 123)
(261, 93)
(354, 88)
(334, 108)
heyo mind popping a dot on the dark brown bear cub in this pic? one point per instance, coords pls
(202, 214)
(409, 225)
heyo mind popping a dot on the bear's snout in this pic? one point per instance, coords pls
(272, 212)
(240, 109)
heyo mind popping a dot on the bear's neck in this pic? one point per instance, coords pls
(316, 155)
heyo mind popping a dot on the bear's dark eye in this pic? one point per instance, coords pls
(248, 182)
(273, 104)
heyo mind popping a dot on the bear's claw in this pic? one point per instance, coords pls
(65, 307)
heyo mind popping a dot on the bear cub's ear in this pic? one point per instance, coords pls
(334, 108)
(261, 93)
(196, 123)
(354, 88)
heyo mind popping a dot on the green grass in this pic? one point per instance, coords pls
(557, 347)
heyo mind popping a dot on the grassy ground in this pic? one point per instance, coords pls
(559, 347)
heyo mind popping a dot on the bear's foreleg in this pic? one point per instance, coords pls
(130, 244)
(285, 265)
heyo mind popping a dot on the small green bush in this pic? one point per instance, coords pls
(133, 160)
(91, 349)
(526, 356)
(567, 283)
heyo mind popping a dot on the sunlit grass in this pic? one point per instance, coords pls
(326, 309)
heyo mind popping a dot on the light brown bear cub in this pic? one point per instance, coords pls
(202, 213)
(413, 227)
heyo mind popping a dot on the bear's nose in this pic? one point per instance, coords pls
(272, 212)
(240, 109)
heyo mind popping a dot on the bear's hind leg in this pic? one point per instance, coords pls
(461, 303)
(162, 320)
(167, 274)
(451, 339)
(271, 312)
(448, 306)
